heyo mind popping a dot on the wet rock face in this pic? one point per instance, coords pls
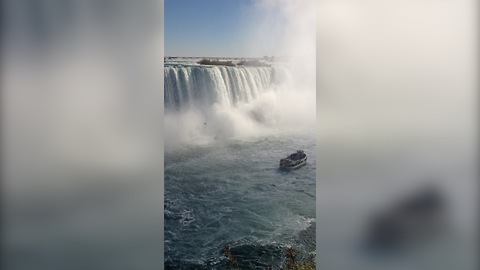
(410, 221)
(307, 237)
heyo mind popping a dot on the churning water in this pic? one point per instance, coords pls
(228, 191)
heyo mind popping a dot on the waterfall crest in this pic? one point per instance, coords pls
(189, 86)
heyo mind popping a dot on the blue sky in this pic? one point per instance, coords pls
(211, 28)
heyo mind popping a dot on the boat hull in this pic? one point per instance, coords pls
(294, 167)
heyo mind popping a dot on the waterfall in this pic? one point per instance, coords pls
(189, 86)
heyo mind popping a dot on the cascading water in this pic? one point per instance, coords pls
(198, 86)
(205, 102)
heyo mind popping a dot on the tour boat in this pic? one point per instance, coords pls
(294, 161)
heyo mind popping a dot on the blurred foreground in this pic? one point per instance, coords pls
(397, 135)
(82, 134)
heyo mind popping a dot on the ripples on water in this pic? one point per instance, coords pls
(233, 194)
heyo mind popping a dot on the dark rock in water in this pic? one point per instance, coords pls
(266, 256)
(179, 265)
(307, 237)
(252, 256)
(409, 221)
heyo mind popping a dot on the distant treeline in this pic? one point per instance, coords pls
(253, 63)
(250, 63)
(216, 63)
